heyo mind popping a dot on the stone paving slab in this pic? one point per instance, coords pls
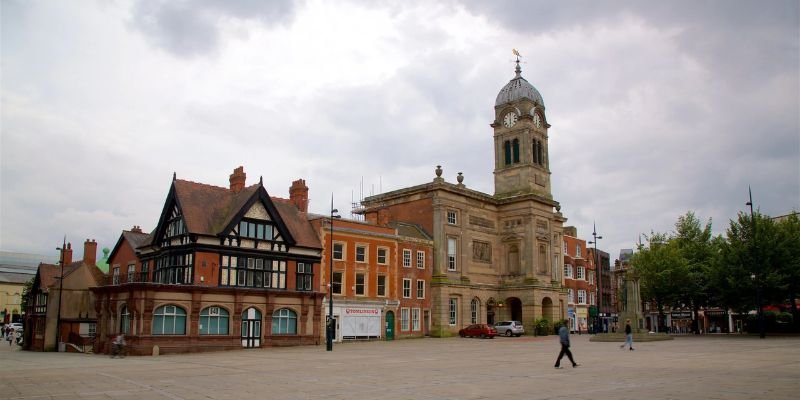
(689, 367)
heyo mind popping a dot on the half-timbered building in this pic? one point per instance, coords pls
(224, 268)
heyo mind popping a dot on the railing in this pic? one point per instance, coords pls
(170, 276)
(122, 279)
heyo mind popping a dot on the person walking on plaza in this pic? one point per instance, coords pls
(628, 336)
(118, 346)
(563, 337)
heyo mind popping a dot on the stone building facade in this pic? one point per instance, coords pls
(495, 256)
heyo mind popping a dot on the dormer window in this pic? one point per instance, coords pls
(255, 230)
(175, 229)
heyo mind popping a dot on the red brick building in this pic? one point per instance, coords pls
(224, 268)
(381, 278)
(579, 279)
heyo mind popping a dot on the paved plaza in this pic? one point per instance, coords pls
(690, 367)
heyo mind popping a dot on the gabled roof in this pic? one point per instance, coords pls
(134, 239)
(208, 209)
(212, 211)
(297, 223)
(48, 274)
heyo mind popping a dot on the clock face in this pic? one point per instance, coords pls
(510, 119)
(537, 120)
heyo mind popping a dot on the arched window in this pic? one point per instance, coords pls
(515, 149)
(507, 151)
(474, 306)
(284, 322)
(214, 321)
(540, 152)
(169, 320)
(535, 151)
(124, 320)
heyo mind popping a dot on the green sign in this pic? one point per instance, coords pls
(593, 311)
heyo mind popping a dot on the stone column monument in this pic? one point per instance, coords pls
(631, 302)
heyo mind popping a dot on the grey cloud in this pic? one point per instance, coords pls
(191, 28)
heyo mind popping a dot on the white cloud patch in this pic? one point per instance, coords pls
(654, 112)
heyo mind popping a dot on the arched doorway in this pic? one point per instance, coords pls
(548, 311)
(514, 305)
(251, 328)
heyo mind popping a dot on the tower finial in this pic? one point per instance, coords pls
(174, 176)
(518, 70)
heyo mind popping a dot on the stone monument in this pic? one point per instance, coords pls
(631, 302)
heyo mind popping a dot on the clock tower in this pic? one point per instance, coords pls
(521, 162)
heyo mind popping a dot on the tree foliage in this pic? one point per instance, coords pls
(662, 271)
(693, 268)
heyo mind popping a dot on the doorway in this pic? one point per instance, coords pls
(389, 325)
(251, 328)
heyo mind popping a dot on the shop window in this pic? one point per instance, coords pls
(214, 321)
(284, 322)
(169, 320)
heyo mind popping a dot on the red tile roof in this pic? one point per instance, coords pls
(208, 210)
(49, 274)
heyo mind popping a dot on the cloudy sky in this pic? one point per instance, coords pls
(657, 108)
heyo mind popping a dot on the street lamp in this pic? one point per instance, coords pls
(754, 276)
(60, 289)
(329, 324)
(599, 279)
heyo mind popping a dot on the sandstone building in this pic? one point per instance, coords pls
(495, 256)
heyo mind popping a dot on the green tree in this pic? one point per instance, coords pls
(26, 290)
(752, 257)
(662, 272)
(697, 248)
(787, 261)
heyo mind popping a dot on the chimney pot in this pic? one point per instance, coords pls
(67, 254)
(237, 179)
(90, 252)
(298, 194)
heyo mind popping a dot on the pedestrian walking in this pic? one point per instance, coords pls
(563, 337)
(628, 336)
(118, 346)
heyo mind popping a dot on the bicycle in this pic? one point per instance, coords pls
(119, 350)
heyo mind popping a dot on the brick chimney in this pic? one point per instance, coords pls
(384, 216)
(136, 229)
(90, 252)
(237, 180)
(298, 194)
(66, 254)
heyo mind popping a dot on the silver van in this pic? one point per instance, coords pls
(509, 328)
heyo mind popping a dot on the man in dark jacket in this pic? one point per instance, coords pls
(563, 336)
(628, 336)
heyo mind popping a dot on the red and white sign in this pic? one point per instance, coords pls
(362, 311)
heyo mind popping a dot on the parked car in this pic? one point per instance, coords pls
(16, 325)
(509, 328)
(480, 330)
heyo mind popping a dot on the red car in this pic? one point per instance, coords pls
(481, 330)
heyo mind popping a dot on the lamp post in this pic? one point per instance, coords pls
(754, 276)
(599, 280)
(60, 289)
(329, 324)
